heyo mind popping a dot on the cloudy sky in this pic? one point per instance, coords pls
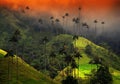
(102, 10)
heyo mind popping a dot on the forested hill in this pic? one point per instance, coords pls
(14, 70)
(47, 48)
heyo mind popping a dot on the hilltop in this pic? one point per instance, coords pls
(85, 69)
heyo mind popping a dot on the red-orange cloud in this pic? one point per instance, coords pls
(59, 7)
(56, 4)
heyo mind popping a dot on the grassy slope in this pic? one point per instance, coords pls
(85, 68)
(27, 74)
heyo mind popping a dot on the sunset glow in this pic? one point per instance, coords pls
(56, 4)
(91, 9)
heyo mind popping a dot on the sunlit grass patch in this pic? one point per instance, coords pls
(2, 53)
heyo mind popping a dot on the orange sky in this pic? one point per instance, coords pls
(57, 7)
(56, 4)
(91, 9)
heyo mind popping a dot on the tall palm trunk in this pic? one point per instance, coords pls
(63, 25)
(8, 70)
(17, 65)
(66, 26)
(76, 27)
(95, 29)
(103, 27)
(78, 67)
(79, 29)
(46, 58)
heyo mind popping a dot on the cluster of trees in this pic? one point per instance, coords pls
(35, 49)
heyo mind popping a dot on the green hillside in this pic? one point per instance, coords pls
(26, 73)
(46, 56)
(85, 69)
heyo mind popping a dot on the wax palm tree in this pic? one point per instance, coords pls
(51, 22)
(45, 40)
(52, 19)
(15, 39)
(57, 21)
(40, 21)
(73, 20)
(77, 21)
(103, 23)
(63, 17)
(79, 10)
(27, 8)
(88, 28)
(95, 21)
(8, 55)
(66, 15)
(85, 25)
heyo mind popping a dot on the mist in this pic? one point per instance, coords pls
(100, 10)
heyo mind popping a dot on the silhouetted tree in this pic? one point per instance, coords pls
(76, 22)
(40, 21)
(66, 16)
(57, 21)
(75, 31)
(27, 8)
(85, 25)
(102, 76)
(103, 23)
(45, 40)
(63, 17)
(79, 18)
(15, 39)
(95, 21)
(8, 55)
(52, 22)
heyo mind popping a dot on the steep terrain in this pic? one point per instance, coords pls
(26, 73)
(85, 69)
(41, 49)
